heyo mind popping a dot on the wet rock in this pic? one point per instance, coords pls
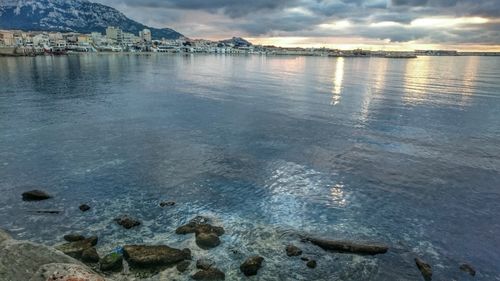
(65, 272)
(198, 225)
(51, 212)
(304, 258)
(90, 255)
(311, 264)
(151, 256)
(183, 265)
(207, 240)
(4, 236)
(349, 247)
(35, 195)
(167, 204)
(111, 262)
(293, 251)
(84, 207)
(209, 274)
(252, 265)
(127, 222)
(75, 249)
(204, 264)
(424, 268)
(465, 267)
(73, 237)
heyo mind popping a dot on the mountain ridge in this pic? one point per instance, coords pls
(71, 16)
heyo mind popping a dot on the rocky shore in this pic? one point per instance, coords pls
(77, 258)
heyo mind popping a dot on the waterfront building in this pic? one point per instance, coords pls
(115, 34)
(6, 38)
(145, 35)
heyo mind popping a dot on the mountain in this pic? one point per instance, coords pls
(236, 41)
(70, 15)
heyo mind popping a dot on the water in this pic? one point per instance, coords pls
(404, 152)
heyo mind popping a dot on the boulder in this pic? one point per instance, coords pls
(465, 267)
(35, 195)
(183, 265)
(251, 265)
(127, 222)
(293, 251)
(311, 264)
(209, 275)
(111, 262)
(207, 240)
(90, 255)
(65, 272)
(167, 204)
(84, 207)
(199, 225)
(73, 237)
(152, 256)
(204, 264)
(424, 268)
(75, 249)
(349, 247)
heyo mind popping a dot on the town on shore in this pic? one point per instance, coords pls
(32, 43)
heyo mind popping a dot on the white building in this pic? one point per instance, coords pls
(115, 34)
(145, 35)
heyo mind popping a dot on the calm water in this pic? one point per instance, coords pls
(405, 152)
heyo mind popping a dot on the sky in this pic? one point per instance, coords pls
(369, 24)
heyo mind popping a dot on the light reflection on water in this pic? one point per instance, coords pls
(407, 156)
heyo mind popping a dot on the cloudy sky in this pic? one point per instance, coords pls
(374, 24)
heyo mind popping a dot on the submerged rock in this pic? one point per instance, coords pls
(293, 251)
(207, 240)
(35, 195)
(4, 236)
(111, 262)
(311, 264)
(167, 203)
(209, 275)
(204, 264)
(84, 207)
(65, 272)
(127, 222)
(75, 249)
(424, 268)
(151, 256)
(183, 265)
(465, 267)
(252, 265)
(304, 258)
(349, 247)
(90, 255)
(73, 237)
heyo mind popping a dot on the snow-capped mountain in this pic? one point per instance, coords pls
(70, 15)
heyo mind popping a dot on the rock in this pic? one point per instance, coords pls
(187, 253)
(90, 255)
(304, 258)
(207, 240)
(251, 265)
(127, 222)
(293, 251)
(21, 260)
(199, 225)
(65, 272)
(183, 266)
(52, 212)
(209, 274)
(35, 195)
(111, 262)
(4, 236)
(424, 268)
(151, 256)
(204, 264)
(167, 203)
(311, 264)
(349, 247)
(84, 207)
(465, 267)
(75, 249)
(73, 237)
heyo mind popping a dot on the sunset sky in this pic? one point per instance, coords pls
(369, 24)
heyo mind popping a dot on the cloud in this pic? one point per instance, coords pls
(388, 20)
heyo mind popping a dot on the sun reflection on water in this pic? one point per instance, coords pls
(338, 197)
(337, 82)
